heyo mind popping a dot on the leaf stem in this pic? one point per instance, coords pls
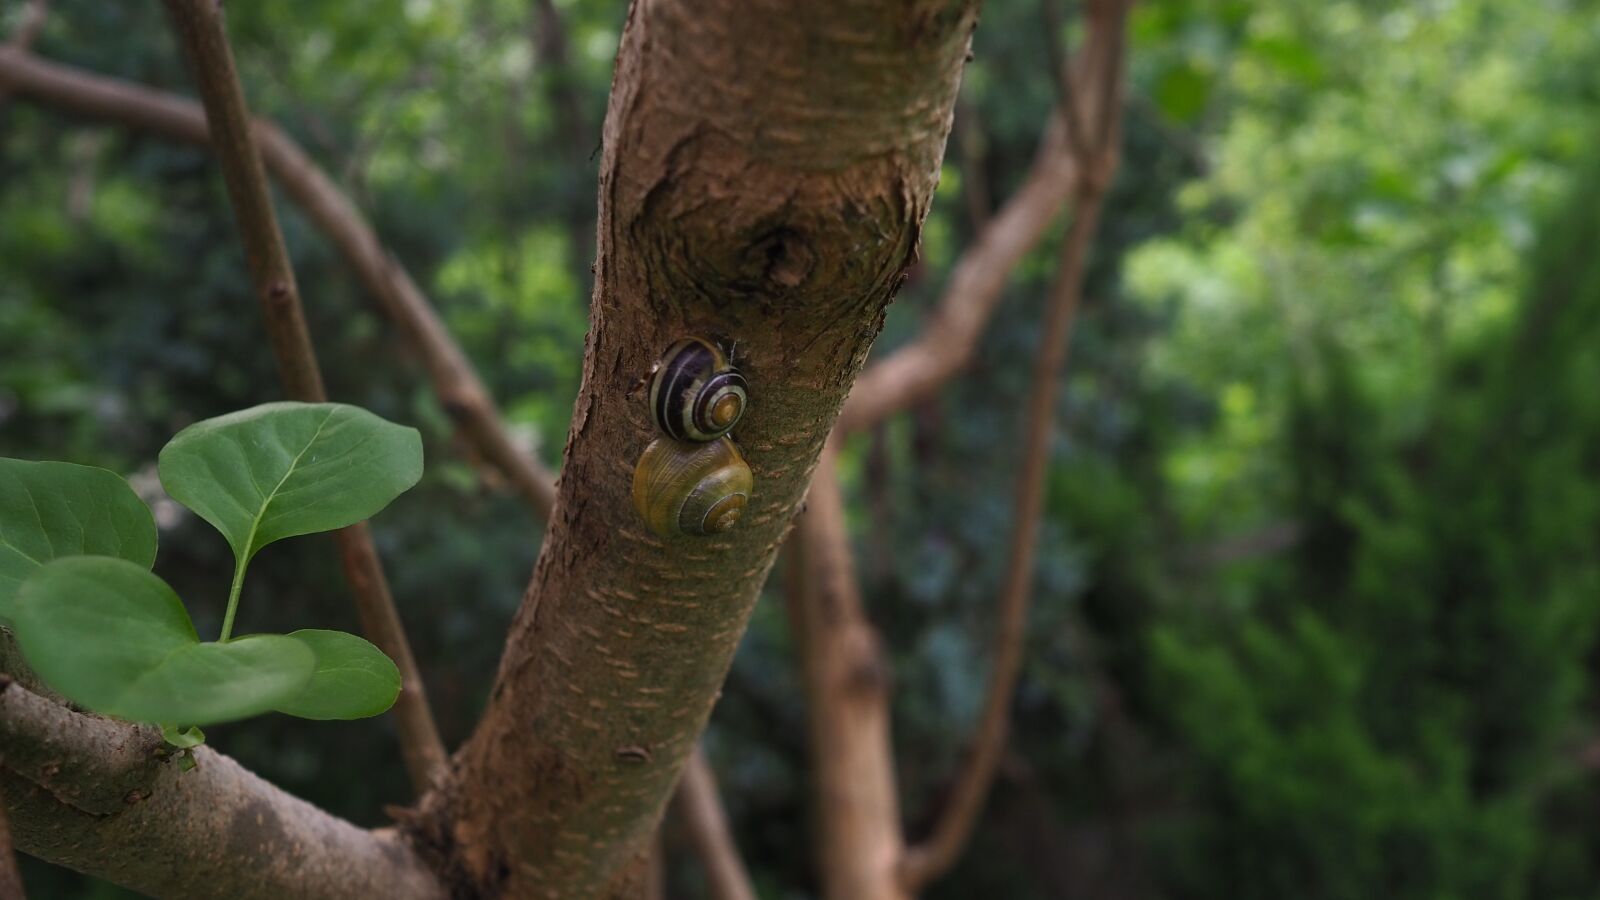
(233, 599)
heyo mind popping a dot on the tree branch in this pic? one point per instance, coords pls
(200, 30)
(101, 797)
(847, 707)
(10, 878)
(205, 43)
(927, 860)
(460, 391)
(29, 26)
(915, 370)
(1067, 101)
(27, 31)
(974, 179)
(700, 807)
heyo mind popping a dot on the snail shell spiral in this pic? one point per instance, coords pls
(696, 394)
(682, 488)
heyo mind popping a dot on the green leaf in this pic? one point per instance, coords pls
(55, 509)
(285, 469)
(111, 636)
(353, 678)
(183, 738)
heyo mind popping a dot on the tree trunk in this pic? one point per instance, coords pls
(766, 172)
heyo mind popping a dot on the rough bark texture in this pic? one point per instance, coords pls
(764, 179)
(98, 796)
(847, 688)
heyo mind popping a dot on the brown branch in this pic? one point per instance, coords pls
(201, 32)
(700, 807)
(1107, 17)
(10, 878)
(929, 859)
(847, 706)
(1067, 101)
(1268, 540)
(460, 391)
(974, 179)
(926, 861)
(28, 29)
(915, 370)
(551, 46)
(30, 26)
(862, 856)
(102, 797)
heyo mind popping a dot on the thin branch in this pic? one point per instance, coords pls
(1061, 78)
(460, 391)
(201, 32)
(10, 878)
(926, 861)
(700, 807)
(1108, 17)
(1268, 540)
(551, 45)
(30, 26)
(947, 342)
(917, 369)
(968, 134)
(846, 684)
(28, 30)
(101, 797)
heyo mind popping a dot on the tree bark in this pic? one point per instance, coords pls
(100, 797)
(764, 179)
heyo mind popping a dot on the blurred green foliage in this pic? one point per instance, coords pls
(1315, 613)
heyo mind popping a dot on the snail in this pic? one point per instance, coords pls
(695, 392)
(682, 488)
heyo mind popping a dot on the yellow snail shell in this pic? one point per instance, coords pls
(683, 488)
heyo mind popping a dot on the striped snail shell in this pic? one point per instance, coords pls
(682, 488)
(695, 393)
